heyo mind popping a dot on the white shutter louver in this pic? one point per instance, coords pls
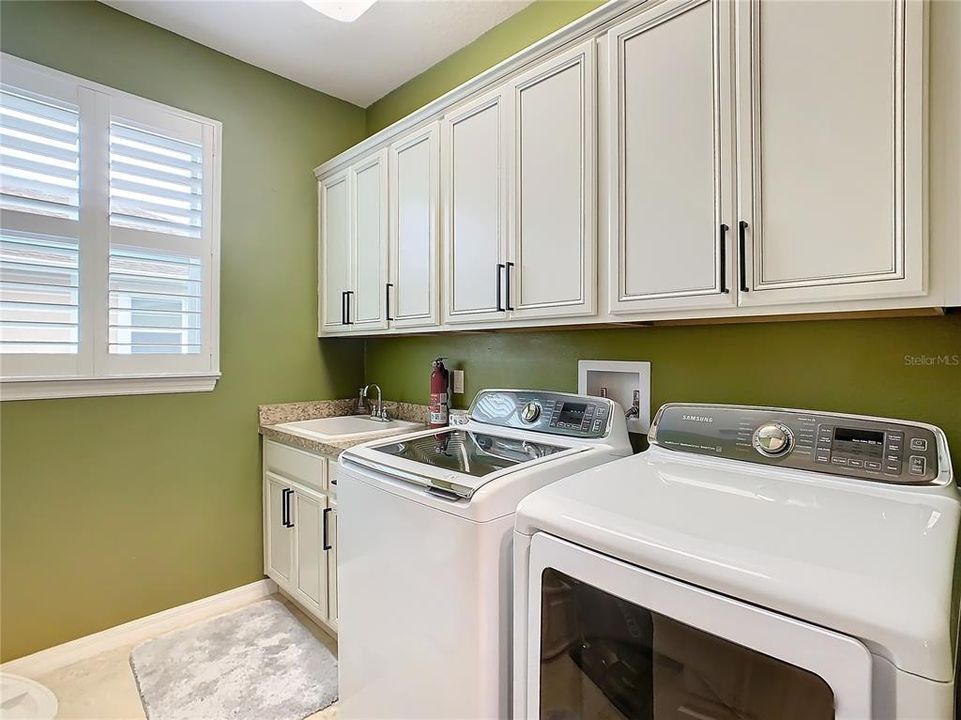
(39, 287)
(156, 303)
(155, 182)
(39, 157)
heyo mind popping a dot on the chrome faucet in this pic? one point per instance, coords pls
(377, 410)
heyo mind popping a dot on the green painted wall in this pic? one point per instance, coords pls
(846, 365)
(115, 508)
(534, 22)
(858, 366)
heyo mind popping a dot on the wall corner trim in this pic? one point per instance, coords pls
(136, 631)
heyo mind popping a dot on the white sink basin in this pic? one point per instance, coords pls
(350, 427)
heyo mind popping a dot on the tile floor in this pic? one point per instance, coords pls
(103, 688)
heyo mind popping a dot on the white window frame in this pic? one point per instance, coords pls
(93, 371)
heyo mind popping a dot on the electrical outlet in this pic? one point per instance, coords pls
(458, 382)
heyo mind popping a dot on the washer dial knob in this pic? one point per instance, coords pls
(530, 412)
(773, 439)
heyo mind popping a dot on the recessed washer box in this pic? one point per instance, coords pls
(621, 379)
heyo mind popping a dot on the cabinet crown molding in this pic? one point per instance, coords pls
(592, 24)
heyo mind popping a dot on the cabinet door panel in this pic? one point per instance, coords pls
(829, 137)
(475, 209)
(334, 251)
(414, 190)
(279, 540)
(367, 307)
(671, 157)
(332, 563)
(553, 191)
(310, 576)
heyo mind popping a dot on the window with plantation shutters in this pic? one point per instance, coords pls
(109, 240)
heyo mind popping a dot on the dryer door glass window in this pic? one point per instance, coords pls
(603, 657)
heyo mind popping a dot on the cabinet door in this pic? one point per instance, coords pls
(278, 537)
(475, 222)
(332, 562)
(334, 274)
(369, 240)
(310, 566)
(414, 205)
(551, 266)
(830, 116)
(671, 182)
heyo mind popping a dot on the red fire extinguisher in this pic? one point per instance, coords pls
(439, 398)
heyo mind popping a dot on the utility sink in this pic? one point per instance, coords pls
(349, 427)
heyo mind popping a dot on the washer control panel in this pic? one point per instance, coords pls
(892, 451)
(541, 411)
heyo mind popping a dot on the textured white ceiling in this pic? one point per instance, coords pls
(359, 62)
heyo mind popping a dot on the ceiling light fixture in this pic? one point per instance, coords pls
(343, 10)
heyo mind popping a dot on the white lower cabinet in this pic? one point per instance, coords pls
(310, 551)
(278, 540)
(331, 547)
(299, 542)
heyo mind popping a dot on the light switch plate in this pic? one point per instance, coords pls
(458, 382)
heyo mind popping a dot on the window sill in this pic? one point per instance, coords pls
(51, 388)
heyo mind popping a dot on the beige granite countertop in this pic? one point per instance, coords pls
(270, 416)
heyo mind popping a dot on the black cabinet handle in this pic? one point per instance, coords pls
(348, 320)
(500, 289)
(722, 258)
(387, 299)
(742, 255)
(507, 273)
(284, 508)
(343, 308)
(327, 545)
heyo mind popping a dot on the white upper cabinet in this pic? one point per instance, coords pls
(366, 307)
(473, 153)
(670, 163)
(353, 247)
(411, 296)
(551, 266)
(334, 223)
(830, 120)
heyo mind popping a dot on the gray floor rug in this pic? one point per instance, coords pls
(257, 663)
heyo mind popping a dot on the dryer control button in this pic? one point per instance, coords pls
(773, 439)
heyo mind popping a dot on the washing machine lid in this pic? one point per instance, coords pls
(459, 461)
(872, 561)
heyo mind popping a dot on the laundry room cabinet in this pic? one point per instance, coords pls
(353, 247)
(520, 196)
(653, 161)
(300, 529)
(830, 115)
(551, 269)
(411, 297)
(670, 162)
(474, 178)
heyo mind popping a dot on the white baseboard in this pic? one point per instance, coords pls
(135, 631)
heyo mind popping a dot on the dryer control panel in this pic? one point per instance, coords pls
(894, 451)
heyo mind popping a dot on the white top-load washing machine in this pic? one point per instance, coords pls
(424, 565)
(756, 563)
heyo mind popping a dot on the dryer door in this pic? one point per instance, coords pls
(610, 640)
